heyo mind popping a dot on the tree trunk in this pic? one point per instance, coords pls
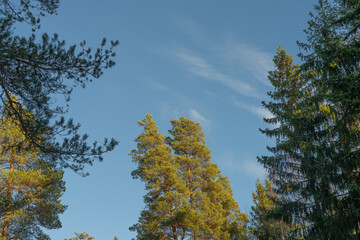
(191, 195)
(173, 227)
(195, 235)
(183, 234)
(167, 189)
(174, 233)
(191, 190)
(8, 206)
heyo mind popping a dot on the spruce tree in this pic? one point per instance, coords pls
(316, 157)
(344, 88)
(290, 167)
(333, 55)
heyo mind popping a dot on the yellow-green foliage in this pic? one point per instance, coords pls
(264, 226)
(187, 195)
(30, 187)
(82, 236)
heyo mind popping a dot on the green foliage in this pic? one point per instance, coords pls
(30, 188)
(82, 236)
(187, 196)
(28, 11)
(213, 209)
(39, 70)
(295, 168)
(265, 223)
(315, 162)
(165, 204)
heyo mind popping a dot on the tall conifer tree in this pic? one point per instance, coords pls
(296, 123)
(321, 131)
(187, 196)
(213, 212)
(334, 54)
(165, 200)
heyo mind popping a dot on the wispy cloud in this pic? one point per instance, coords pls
(200, 67)
(189, 27)
(169, 112)
(253, 169)
(197, 117)
(259, 111)
(256, 61)
(156, 85)
(244, 165)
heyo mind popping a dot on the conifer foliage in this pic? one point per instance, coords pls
(187, 196)
(289, 107)
(165, 200)
(315, 163)
(81, 236)
(39, 69)
(30, 187)
(266, 226)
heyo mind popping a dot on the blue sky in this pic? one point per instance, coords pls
(206, 59)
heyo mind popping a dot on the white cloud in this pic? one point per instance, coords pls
(259, 111)
(253, 169)
(245, 166)
(189, 27)
(156, 85)
(256, 61)
(201, 68)
(169, 112)
(197, 117)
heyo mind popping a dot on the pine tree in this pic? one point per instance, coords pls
(81, 236)
(187, 196)
(213, 212)
(30, 188)
(165, 205)
(38, 71)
